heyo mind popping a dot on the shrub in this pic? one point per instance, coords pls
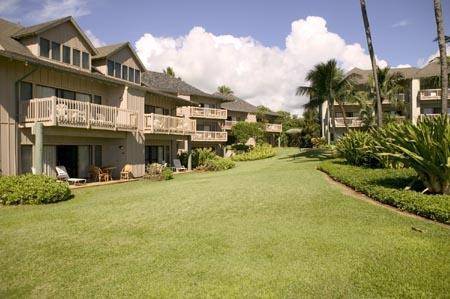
(158, 172)
(357, 148)
(389, 186)
(243, 131)
(32, 189)
(240, 148)
(424, 147)
(261, 151)
(318, 142)
(167, 174)
(218, 163)
(203, 155)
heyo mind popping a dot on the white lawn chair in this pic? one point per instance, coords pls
(63, 175)
(177, 166)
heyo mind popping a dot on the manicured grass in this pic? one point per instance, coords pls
(388, 186)
(268, 228)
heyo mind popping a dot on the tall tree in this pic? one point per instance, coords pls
(225, 90)
(443, 55)
(372, 59)
(169, 72)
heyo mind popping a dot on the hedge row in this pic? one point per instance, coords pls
(388, 186)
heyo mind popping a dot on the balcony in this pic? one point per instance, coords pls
(210, 136)
(274, 128)
(55, 111)
(164, 124)
(431, 94)
(229, 124)
(200, 112)
(352, 122)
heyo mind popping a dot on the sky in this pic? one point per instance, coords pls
(261, 49)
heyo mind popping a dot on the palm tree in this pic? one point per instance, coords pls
(327, 84)
(169, 72)
(372, 59)
(391, 84)
(225, 90)
(443, 55)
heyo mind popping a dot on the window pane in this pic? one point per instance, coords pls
(44, 46)
(66, 54)
(26, 91)
(98, 155)
(159, 110)
(84, 97)
(85, 60)
(97, 100)
(26, 158)
(66, 94)
(138, 77)
(76, 57)
(45, 92)
(56, 51)
(131, 74)
(124, 72)
(117, 70)
(110, 68)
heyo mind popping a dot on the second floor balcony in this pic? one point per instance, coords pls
(53, 111)
(209, 136)
(273, 128)
(201, 112)
(431, 94)
(165, 124)
(352, 122)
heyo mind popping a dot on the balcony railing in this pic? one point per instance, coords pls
(351, 122)
(201, 112)
(431, 94)
(209, 136)
(274, 128)
(229, 124)
(164, 124)
(55, 111)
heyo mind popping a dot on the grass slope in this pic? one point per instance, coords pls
(268, 228)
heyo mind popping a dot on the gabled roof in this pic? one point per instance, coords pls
(103, 52)
(165, 83)
(407, 72)
(42, 27)
(7, 29)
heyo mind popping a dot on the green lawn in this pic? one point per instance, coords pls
(269, 228)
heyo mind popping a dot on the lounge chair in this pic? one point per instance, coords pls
(63, 175)
(125, 173)
(177, 166)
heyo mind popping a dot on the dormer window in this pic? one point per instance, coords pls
(66, 54)
(117, 70)
(44, 47)
(131, 74)
(85, 60)
(56, 51)
(110, 68)
(137, 77)
(76, 57)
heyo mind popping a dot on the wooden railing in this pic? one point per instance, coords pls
(229, 124)
(201, 112)
(209, 136)
(351, 121)
(55, 111)
(164, 124)
(274, 128)
(431, 94)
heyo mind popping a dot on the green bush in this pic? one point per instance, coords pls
(32, 189)
(358, 148)
(246, 130)
(157, 172)
(318, 142)
(203, 155)
(390, 186)
(167, 174)
(218, 164)
(260, 151)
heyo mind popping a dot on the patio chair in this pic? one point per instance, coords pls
(98, 175)
(125, 173)
(63, 175)
(177, 166)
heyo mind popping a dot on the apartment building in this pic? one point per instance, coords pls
(420, 95)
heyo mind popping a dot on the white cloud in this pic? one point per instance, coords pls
(94, 39)
(8, 7)
(423, 61)
(51, 9)
(401, 23)
(257, 73)
(402, 66)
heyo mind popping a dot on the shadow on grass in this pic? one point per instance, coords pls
(310, 155)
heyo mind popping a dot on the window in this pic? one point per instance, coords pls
(44, 47)
(26, 158)
(137, 78)
(124, 72)
(131, 74)
(159, 110)
(97, 100)
(56, 51)
(85, 61)
(83, 97)
(45, 92)
(149, 109)
(66, 54)
(26, 91)
(76, 57)
(110, 68)
(98, 155)
(117, 70)
(66, 94)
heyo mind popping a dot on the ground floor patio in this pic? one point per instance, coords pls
(268, 228)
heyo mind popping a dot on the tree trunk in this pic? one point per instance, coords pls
(374, 63)
(443, 55)
(333, 120)
(344, 117)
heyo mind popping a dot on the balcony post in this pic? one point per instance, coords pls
(38, 147)
(88, 116)
(415, 102)
(116, 115)
(53, 109)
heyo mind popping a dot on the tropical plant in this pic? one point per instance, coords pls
(391, 84)
(310, 127)
(225, 90)
(261, 113)
(357, 148)
(442, 54)
(169, 72)
(424, 147)
(243, 131)
(373, 61)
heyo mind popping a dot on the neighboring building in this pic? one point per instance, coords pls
(421, 96)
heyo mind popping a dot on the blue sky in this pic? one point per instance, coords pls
(403, 32)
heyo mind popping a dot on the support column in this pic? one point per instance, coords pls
(415, 104)
(38, 162)
(189, 150)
